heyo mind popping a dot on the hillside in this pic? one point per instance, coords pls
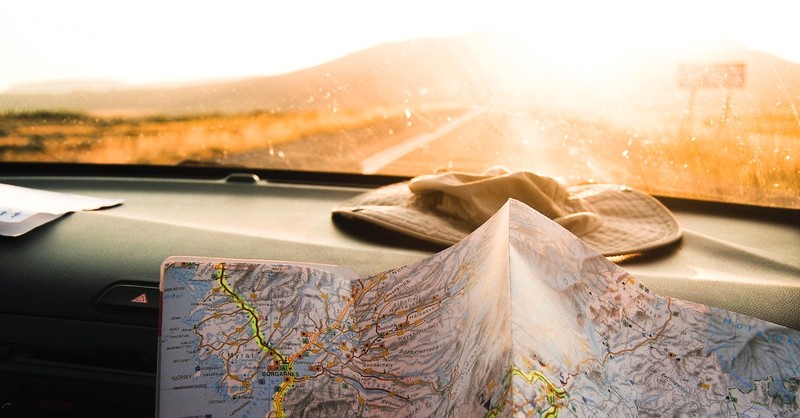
(477, 69)
(406, 73)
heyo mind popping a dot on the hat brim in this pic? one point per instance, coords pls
(632, 221)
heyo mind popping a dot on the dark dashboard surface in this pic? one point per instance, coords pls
(74, 343)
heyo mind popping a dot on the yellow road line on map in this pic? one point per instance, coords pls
(220, 273)
(553, 392)
(279, 396)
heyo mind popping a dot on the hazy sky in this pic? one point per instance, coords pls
(146, 41)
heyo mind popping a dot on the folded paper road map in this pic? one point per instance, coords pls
(521, 318)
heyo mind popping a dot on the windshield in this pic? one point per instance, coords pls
(688, 99)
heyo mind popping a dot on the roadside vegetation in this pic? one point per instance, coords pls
(67, 136)
(746, 159)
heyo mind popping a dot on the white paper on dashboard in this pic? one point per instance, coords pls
(22, 208)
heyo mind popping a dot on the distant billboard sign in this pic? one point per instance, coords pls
(730, 75)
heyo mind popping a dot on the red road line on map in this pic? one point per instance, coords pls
(653, 338)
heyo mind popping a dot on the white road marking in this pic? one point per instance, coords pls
(374, 163)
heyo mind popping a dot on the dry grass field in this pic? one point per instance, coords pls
(749, 159)
(52, 136)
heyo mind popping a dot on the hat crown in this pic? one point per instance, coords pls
(474, 198)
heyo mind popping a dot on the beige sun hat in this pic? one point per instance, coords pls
(445, 208)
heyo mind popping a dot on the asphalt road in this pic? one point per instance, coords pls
(467, 140)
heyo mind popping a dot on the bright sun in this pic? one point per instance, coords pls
(151, 41)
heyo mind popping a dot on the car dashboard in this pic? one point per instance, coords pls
(80, 302)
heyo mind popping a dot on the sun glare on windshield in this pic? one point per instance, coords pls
(696, 102)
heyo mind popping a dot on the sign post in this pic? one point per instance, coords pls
(725, 76)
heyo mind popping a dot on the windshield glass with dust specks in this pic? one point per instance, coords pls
(688, 99)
